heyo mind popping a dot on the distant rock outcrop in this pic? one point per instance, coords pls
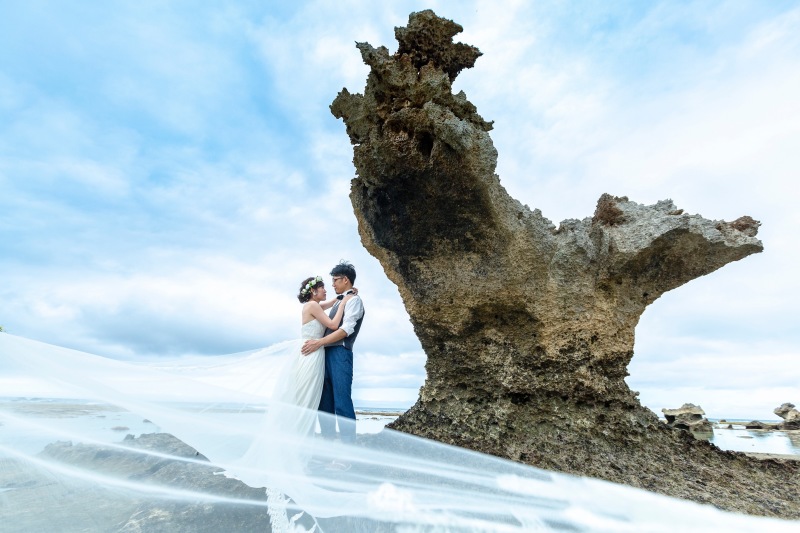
(528, 327)
(689, 417)
(790, 415)
(787, 411)
(757, 424)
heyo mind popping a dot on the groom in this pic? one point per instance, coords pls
(338, 384)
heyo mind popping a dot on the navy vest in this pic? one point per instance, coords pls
(348, 341)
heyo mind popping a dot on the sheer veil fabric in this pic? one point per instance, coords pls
(234, 411)
(298, 389)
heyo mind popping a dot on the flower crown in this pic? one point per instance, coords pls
(310, 285)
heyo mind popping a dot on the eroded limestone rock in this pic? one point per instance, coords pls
(689, 417)
(757, 424)
(790, 415)
(528, 327)
(51, 499)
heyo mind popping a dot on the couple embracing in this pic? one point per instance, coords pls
(322, 374)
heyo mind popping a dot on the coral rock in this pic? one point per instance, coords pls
(790, 415)
(689, 417)
(528, 327)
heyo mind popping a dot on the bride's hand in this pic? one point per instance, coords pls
(355, 290)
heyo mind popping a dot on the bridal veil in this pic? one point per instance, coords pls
(217, 406)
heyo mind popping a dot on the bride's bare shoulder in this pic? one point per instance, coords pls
(311, 305)
(311, 310)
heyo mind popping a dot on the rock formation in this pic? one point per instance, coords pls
(790, 415)
(49, 500)
(528, 327)
(34, 498)
(689, 417)
(757, 424)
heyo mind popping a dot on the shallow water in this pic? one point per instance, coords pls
(104, 423)
(76, 420)
(739, 439)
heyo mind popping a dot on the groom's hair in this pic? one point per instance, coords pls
(345, 269)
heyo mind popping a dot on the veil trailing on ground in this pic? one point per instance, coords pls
(217, 453)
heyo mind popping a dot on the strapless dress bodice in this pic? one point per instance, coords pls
(312, 330)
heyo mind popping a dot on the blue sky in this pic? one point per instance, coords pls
(169, 172)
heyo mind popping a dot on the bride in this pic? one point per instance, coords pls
(301, 383)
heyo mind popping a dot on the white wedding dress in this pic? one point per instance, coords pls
(291, 415)
(290, 420)
(301, 384)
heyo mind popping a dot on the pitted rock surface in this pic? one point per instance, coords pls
(689, 417)
(529, 327)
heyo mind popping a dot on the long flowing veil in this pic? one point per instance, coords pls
(214, 454)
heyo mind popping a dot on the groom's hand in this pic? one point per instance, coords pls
(311, 346)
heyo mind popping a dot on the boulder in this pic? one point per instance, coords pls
(689, 417)
(790, 415)
(78, 504)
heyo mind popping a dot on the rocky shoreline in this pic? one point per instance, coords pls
(775, 456)
(76, 504)
(691, 418)
(790, 416)
(38, 499)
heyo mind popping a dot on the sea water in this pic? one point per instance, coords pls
(77, 420)
(739, 439)
(66, 419)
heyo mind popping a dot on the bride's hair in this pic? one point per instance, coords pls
(306, 287)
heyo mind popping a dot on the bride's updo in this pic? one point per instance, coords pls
(306, 286)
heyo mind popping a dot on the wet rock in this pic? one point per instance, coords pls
(77, 504)
(790, 415)
(528, 327)
(689, 417)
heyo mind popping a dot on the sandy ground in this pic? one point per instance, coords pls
(786, 456)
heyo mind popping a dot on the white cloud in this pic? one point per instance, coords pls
(729, 403)
(172, 175)
(379, 371)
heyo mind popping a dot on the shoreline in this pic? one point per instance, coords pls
(379, 413)
(775, 456)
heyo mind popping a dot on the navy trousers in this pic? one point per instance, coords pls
(337, 394)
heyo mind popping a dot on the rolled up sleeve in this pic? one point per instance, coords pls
(353, 311)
